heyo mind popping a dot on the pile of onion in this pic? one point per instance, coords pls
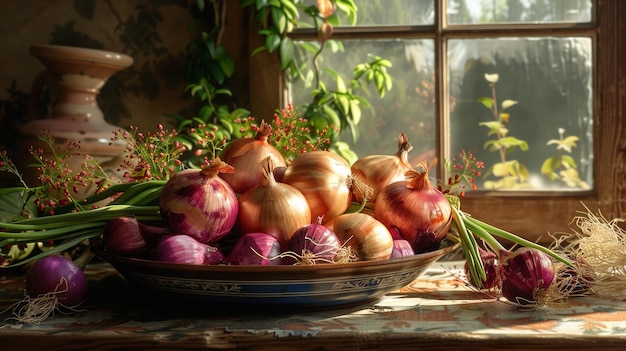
(200, 204)
(274, 208)
(245, 154)
(378, 171)
(325, 180)
(421, 214)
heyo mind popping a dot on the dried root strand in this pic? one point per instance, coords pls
(34, 310)
(601, 245)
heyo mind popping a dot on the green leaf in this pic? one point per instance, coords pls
(227, 64)
(355, 111)
(286, 52)
(333, 117)
(12, 202)
(486, 101)
(279, 18)
(568, 161)
(272, 42)
(508, 103)
(205, 112)
(343, 103)
(550, 165)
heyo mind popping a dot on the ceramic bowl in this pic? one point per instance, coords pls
(321, 285)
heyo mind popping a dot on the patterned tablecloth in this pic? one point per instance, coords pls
(436, 311)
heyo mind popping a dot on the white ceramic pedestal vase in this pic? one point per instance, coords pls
(74, 76)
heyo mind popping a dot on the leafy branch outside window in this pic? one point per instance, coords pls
(331, 110)
(512, 174)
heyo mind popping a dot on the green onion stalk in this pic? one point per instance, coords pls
(71, 226)
(467, 229)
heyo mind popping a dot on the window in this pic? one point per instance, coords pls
(559, 60)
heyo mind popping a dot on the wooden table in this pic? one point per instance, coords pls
(435, 312)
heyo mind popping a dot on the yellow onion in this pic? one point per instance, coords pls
(274, 208)
(367, 237)
(325, 179)
(200, 204)
(378, 171)
(418, 211)
(244, 154)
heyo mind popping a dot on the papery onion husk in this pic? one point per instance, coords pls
(524, 274)
(274, 208)
(126, 236)
(378, 171)
(258, 249)
(184, 249)
(325, 180)
(245, 154)
(420, 212)
(368, 238)
(312, 244)
(200, 204)
(402, 248)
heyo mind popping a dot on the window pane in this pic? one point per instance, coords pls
(409, 107)
(518, 11)
(388, 13)
(545, 86)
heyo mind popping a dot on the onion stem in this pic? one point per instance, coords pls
(470, 228)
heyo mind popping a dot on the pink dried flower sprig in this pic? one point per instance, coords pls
(292, 134)
(151, 155)
(462, 172)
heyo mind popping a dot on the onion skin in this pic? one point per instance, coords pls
(183, 249)
(60, 276)
(257, 249)
(524, 274)
(200, 204)
(420, 212)
(324, 178)
(378, 171)
(368, 238)
(274, 208)
(126, 236)
(245, 154)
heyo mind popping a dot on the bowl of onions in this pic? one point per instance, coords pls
(310, 286)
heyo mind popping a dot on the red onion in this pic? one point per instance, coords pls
(378, 171)
(420, 212)
(128, 237)
(312, 244)
(245, 154)
(490, 265)
(58, 277)
(524, 274)
(274, 208)
(184, 249)
(258, 249)
(402, 248)
(199, 203)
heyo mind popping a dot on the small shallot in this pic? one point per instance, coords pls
(312, 244)
(126, 236)
(258, 249)
(184, 249)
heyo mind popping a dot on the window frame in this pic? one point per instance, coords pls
(531, 215)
